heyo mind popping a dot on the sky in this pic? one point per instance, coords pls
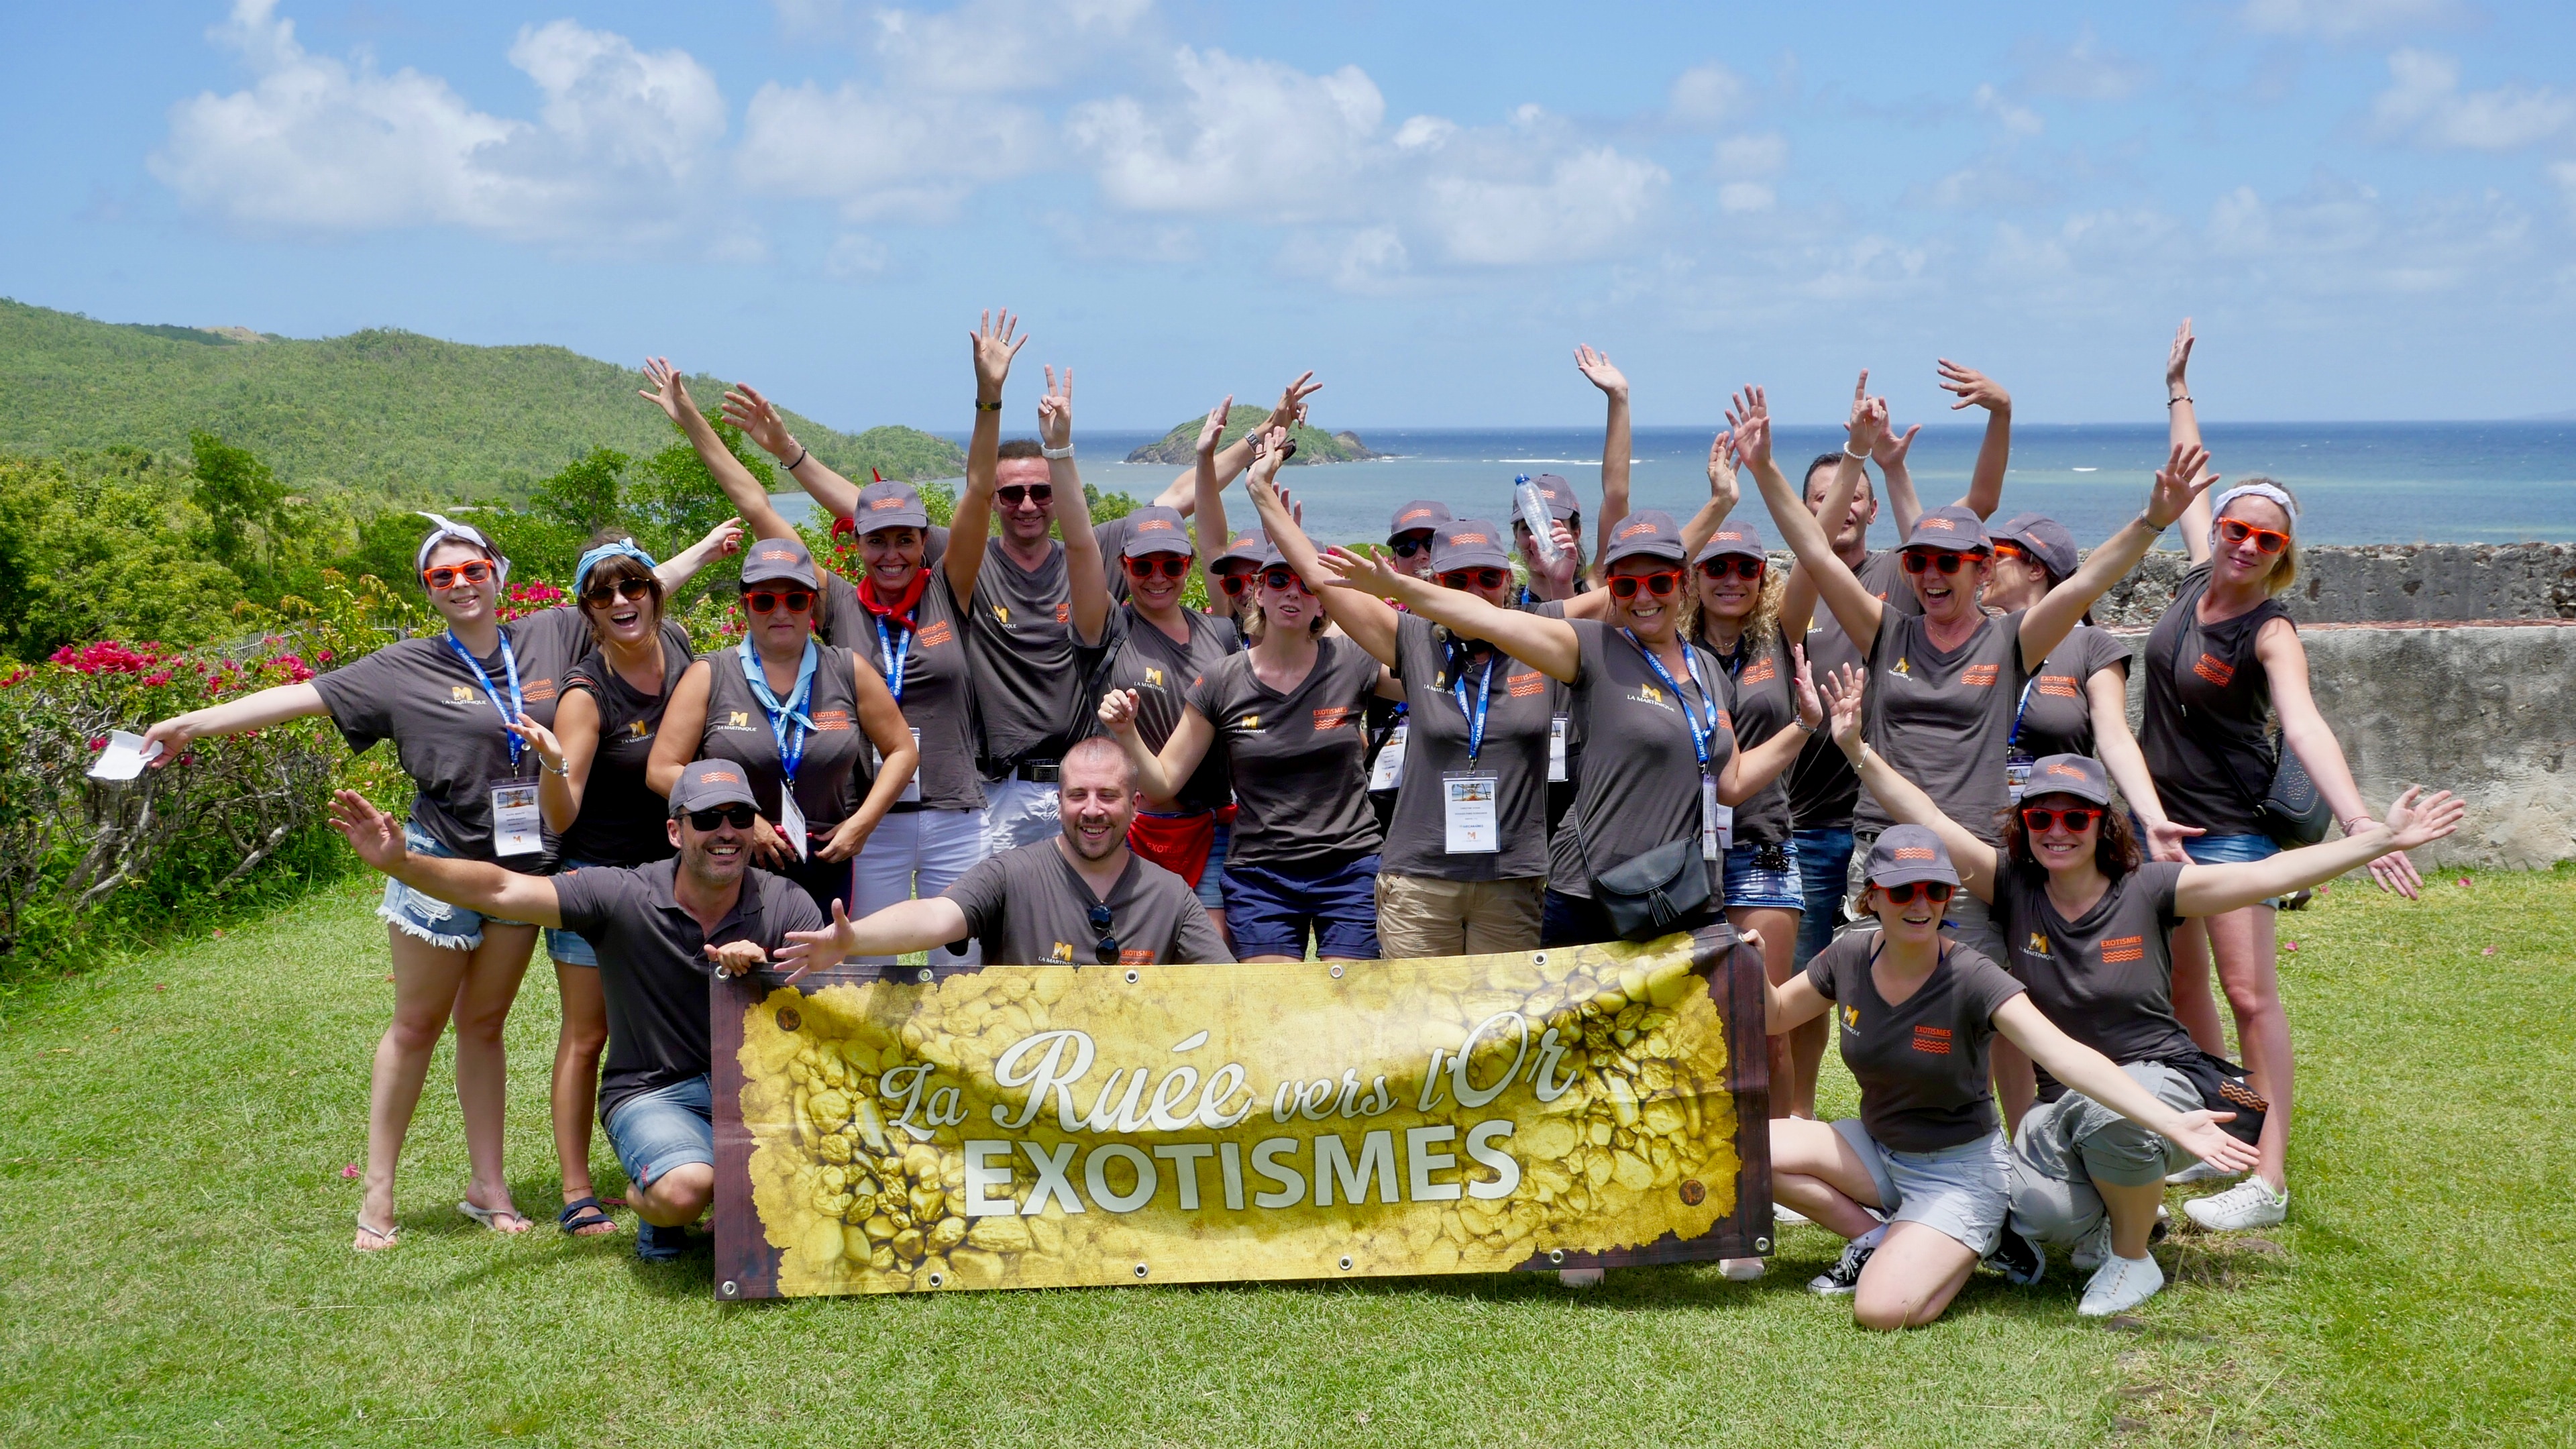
(2367, 206)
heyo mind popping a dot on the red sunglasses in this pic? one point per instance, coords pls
(1170, 566)
(444, 576)
(1483, 578)
(2078, 818)
(1919, 560)
(762, 601)
(1284, 578)
(1660, 584)
(2237, 530)
(1736, 564)
(1935, 891)
(1234, 580)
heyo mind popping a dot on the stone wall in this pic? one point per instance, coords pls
(2386, 584)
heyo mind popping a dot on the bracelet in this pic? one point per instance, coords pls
(982, 406)
(1056, 455)
(2347, 824)
(2169, 402)
(802, 453)
(564, 769)
(1855, 457)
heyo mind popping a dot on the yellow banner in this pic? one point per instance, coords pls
(1051, 1126)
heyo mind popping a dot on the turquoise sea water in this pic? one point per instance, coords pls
(2357, 482)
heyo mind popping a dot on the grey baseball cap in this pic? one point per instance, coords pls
(2046, 539)
(1417, 516)
(1156, 529)
(887, 504)
(1647, 533)
(1468, 543)
(1955, 528)
(1244, 548)
(2081, 776)
(779, 560)
(1733, 538)
(710, 783)
(1908, 853)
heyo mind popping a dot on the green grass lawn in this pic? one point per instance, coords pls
(174, 1234)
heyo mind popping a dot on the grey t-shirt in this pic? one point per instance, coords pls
(938, 688)
(1941, 716)
(1030, 907)
(2207, 734)
(1822, 788)
(1762, 702)
(1638, 788)
(832, 771)
(1514, 752)
(653, 966)
(1162, 671)
(2105, 978)
(446, 728)
(1921, 1063)
(1019, 643)
(2057, 718)
(621, 820)
(1297, 759)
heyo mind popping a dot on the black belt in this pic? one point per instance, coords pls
(1036, 772)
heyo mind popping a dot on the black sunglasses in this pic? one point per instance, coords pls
(1040, 494)
(1487, 577)
(739, 816)
(1170, 566)
(601, 594)
(1104, 950)
(1935, 891)
(1406, 545)
(1736, 564)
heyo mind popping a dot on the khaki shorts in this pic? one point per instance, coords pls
(1420, 915)
(2066, 1146)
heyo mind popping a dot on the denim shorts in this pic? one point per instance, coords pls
(1748, 884)
(1269, 912)
(2229, 849)
(1964, 1191)
(653, 1132)
(1212, 879)
(1824, 863)
(427, 917)
(571, 948)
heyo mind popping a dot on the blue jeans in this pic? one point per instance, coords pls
(416, 913)
(2229, 849)
(1748, 884)
(665, 1128)
(1824, 861)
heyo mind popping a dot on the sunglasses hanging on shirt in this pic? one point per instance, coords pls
(1104, 950)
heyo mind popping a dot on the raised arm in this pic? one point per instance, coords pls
(746, 409)
(1617, 447)
(1369, 621)
(274, 705)
(1159, 776)
(1208, 530)
(1548, 645)
(2184, 478)
(1724, 492)
(2414, 819)
(2182, 430)
(1086, 577)
(675, 572)
(1182, 493)
(1855, 607)
(670, 393)
(1994, 454)
(972, 523)
(2098, 1077)
(1749, 772)
(476, 885)
(1901, 798)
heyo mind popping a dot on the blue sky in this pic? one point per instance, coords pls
(2369, 206)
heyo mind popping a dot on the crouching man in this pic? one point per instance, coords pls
(660, 931)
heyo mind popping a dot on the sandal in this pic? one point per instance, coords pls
(582, 1214)
(381, 1238)
(493, 1218)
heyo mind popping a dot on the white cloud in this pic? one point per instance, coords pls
(320, 145)
(1745, 196)
(2083, 69)
(1706, 95)
(2343, 19)
(856, 255)
(1000, 45)
(1371, 261)
(2016, 119)
(1587, 204)
(2424, 104)
(1748, 156)
(1250, 136)
(880, 155)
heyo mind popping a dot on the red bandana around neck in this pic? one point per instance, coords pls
(901, 609)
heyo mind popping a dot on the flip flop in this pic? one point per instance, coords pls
(491, 1218)
(383, 1238)
(584, 1212)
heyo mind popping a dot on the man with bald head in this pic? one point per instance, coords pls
(1081, 898)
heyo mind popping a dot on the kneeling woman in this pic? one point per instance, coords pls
(1919, 1183)
(2090, 927)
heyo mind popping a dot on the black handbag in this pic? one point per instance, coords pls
(2223, 1088)
(2290, 810)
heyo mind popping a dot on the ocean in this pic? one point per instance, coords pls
(2358, 483)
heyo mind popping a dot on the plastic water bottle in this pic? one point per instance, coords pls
(1534, 516)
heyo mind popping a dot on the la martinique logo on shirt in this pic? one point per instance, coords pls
(2037, 945)
(1851, 1017)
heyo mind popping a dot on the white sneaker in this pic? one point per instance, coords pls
(1740, 1270)
(2121, 1284)
(2249, 1204)
(1578, 1277)
(2198, 1172)
(1788, 1217)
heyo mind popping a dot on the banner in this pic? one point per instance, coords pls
(1055, 1126)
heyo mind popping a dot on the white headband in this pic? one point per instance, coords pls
(2288, 504)
(462, 533)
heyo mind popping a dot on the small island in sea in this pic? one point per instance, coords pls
(1314, 445)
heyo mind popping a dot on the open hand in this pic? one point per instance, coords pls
(1811, 708)
(817, 950)
(1055, 410)
(2184, 477)
(1367, 573)
(745, 408)
(1214, 428)
(668, 392)
(1291, 409)
(1974, 388)
(1892, 446)
(1842, 694)
(995, 346)
(1118, 712)
(2199, 1134)
(1721, 471)
(1748, 416)
(1271, 449)
(2164, 841)
(738, 958)
(2416, 819)
(548, 748)
(2178, 363)
(370, 831)
(1597, 367)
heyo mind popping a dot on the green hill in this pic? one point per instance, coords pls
(1177, 447)
(380, 410)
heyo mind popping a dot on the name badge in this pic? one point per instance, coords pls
(791, 819)
(518, 826)
(2017, 773)
(912, 787)
(1389, 771)
(1716, 822)
(1556, 750)
(1469, 806)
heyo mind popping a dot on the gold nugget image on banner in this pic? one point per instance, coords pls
(881, 1131)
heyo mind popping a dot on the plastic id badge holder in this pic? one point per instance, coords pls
(1388, 773)
(1716, 822)
(1556, 749)
(1471, 813)
(518, 826)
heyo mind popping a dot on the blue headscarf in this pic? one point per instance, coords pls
(602, 554)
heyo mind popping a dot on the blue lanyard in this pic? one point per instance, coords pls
(894, 658)
(2019, 710)
(791, 743)
(510, 666)
(1475, 717)
(1699, 737)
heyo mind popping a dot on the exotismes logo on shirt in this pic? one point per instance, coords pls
(2124, 948)
(1933, 1039)
(2216, 671)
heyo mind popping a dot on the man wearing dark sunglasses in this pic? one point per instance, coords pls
(659, 930)
(1081, 898)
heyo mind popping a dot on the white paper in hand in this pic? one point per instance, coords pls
(123, 759)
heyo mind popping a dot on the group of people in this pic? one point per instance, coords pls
(1923, 802)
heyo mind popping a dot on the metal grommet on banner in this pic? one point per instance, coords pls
(729, 1289)
(1337, 972)
(1140, 1270)
(925, 975)
(1131, 978)
(1762, 1245)
(938, 1280)
(1346, 1264)
(1538, 958)
(1556, 1255)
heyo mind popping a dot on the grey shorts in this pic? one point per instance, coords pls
(2066, 1146)
(1962, 1191)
